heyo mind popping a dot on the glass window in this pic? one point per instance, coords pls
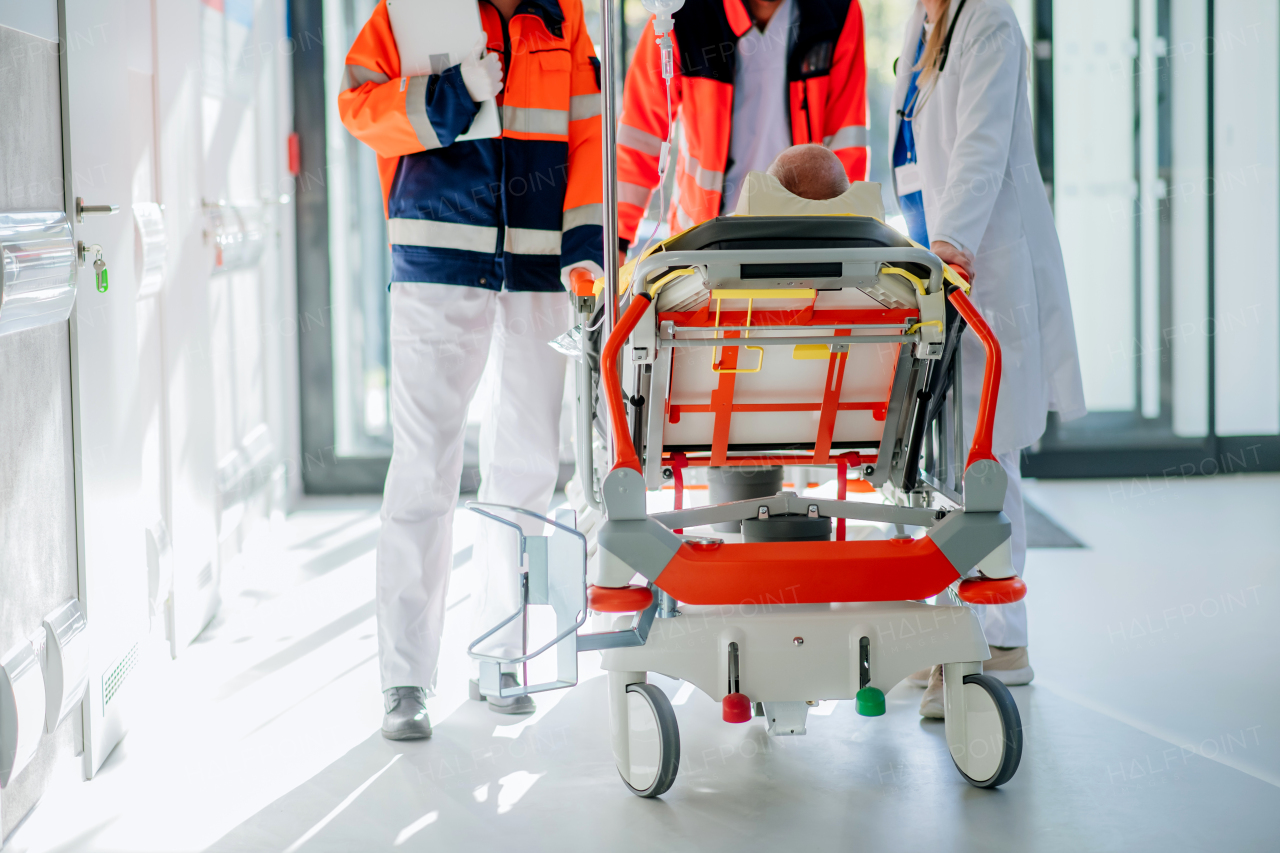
(1095, 191)
(359, 258)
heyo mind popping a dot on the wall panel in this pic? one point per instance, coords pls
(37, 497)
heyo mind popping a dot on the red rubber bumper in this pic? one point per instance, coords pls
(993, 590)
(623, 599)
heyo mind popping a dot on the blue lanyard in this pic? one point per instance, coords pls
(904, 153)
(904, 150)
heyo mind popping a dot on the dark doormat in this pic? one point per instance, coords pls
(1044, 532)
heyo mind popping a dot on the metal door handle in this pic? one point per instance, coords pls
(83, 210)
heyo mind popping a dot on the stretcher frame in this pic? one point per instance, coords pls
(965, 528)
(852, 597)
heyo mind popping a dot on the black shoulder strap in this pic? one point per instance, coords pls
(946, 45)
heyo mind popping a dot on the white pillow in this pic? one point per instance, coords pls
(764, 195)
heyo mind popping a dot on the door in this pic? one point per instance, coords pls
(108, 422)
(1158, 133)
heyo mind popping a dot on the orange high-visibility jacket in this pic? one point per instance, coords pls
(826, 80)
(507, 213)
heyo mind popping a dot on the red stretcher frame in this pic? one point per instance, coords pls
(813, 572)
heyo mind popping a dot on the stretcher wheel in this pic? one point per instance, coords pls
(988, 751)
(654, 740)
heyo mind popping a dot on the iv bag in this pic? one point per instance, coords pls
(663, 8)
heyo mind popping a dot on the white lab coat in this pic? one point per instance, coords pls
(983, 193)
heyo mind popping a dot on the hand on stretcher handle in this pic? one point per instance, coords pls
(626, 449)
(981, 446)
(582, 282)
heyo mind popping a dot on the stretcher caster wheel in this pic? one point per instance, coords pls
(653, 742)
(986, 737)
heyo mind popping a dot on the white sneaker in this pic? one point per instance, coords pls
(919, 679)
(1009, 665)
(931, 705)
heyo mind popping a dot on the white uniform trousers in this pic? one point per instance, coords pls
(441, 337)
(1006, 624)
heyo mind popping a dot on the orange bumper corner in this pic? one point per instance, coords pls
(993, 591)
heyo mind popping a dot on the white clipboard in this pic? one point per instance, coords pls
(432, 35)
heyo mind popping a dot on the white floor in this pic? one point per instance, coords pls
(1153, 723)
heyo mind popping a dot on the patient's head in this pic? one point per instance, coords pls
(810, 171)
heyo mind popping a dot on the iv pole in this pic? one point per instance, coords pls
(608, 128)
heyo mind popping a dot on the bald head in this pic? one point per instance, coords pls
(810, 171)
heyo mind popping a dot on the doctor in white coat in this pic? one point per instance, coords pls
(969, 186)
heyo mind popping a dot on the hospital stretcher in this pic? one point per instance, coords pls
(764, 341)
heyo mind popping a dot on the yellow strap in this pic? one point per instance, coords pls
(937, 323)
(667, 279)
(920, 285)
(953, 277)
(777, 293)
(947, 273)
(811, 352)
(746, 335)
(624, 277)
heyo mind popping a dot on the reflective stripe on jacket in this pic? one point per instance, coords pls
(505, 213)
(826, 81)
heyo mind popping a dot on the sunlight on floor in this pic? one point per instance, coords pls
(264, 734)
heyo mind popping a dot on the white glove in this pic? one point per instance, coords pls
(590, 266)
(481, 73)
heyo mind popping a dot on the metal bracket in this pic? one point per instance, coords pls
(555, 574)
(636, 635)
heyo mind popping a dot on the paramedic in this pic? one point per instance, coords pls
(483, 235)
(752, 77)
(967, 181)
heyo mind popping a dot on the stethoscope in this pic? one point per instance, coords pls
(908, 111)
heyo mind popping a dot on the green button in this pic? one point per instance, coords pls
(870, 702)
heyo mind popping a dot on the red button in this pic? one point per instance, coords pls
(736, 708)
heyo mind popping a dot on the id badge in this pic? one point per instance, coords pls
(908, 178)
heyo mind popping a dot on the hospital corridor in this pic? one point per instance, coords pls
(678, 425)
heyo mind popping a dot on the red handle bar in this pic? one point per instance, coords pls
(627, 458)
(981, 446)
(622, 442)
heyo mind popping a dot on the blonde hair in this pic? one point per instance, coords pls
(928, 64)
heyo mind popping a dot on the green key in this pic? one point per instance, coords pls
(100, 274)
